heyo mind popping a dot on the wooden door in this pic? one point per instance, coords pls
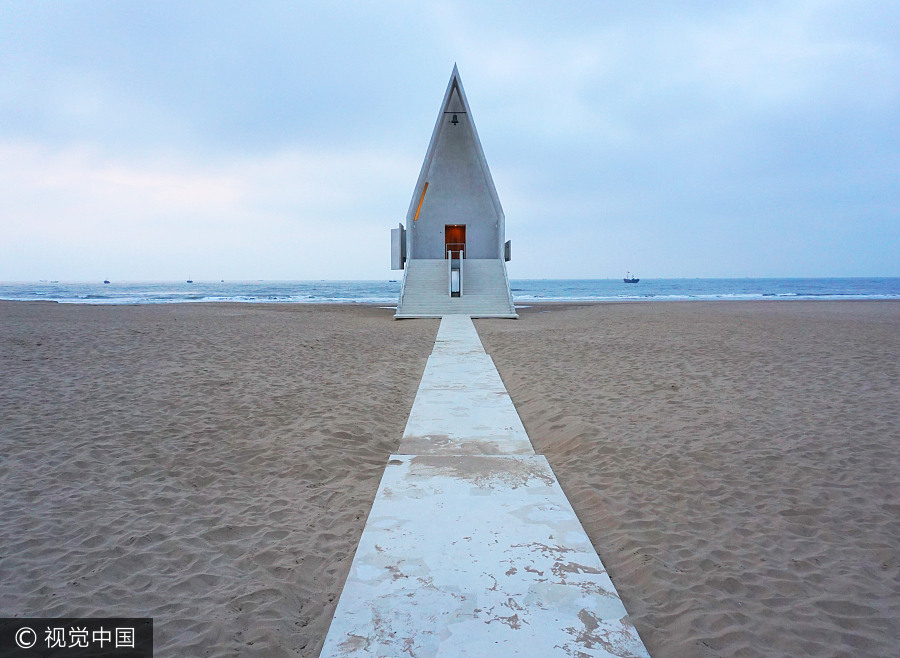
(454, 239)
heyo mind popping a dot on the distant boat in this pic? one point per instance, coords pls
(105, 280)
(630, 279)
(190, 280)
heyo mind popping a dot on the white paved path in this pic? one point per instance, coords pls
(462, 407)
(471, 547)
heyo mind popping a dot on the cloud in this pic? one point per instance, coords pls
(283, 140)
(285, 215)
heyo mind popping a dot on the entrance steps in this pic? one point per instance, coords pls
(485, 294)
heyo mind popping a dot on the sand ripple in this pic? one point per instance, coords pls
(210, 466)
(734, 464)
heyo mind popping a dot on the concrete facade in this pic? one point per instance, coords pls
(460, 188)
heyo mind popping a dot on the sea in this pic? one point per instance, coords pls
(524, 291)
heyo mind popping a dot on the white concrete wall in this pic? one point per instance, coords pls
(459, 192)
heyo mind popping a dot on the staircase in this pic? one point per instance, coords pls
(425, 292)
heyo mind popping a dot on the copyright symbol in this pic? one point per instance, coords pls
(26, 638)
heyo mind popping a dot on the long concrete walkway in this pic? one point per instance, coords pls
(471, 547)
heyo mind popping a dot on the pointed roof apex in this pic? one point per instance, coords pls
(454, 84)
(454, 76)
(455, 102)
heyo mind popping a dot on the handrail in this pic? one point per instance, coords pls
(512, 304)
(455, 247)
(403, 284)
(460, 255)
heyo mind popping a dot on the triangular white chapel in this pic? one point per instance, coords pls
(453, 248)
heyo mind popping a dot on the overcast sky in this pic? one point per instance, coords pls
(282, 140)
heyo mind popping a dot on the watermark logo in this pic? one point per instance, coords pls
(108, 637)
(26, 637)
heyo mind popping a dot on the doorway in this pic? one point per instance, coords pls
(454, 240)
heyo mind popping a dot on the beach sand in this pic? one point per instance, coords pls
(737, 465)
(211, 466)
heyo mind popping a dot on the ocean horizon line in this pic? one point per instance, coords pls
(398, 280)
(386, 291)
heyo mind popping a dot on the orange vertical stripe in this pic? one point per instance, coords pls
(421, 199)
